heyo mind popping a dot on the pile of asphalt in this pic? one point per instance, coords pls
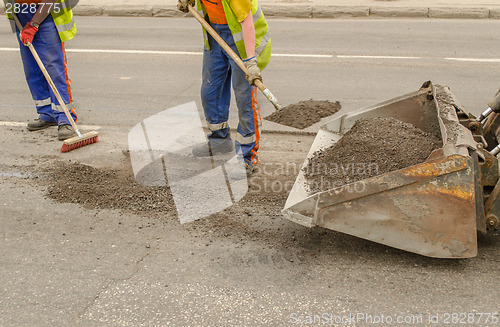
(305, 113)
(371, 147)
(105, 189)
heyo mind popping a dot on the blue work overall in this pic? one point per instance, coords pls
(50, 49)
(219, 72)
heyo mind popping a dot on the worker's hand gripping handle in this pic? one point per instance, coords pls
(234, 56)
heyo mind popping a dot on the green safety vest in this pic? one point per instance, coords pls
(63, 20)
(262, 36)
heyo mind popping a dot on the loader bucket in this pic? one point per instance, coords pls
(429, 208)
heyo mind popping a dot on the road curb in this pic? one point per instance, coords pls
(339, 12)
(476, 13)
(305, 11)
(399, 12)
(301, 11)
(495, 13)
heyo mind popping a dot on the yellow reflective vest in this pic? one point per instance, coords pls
(262, 36)
(63, 19)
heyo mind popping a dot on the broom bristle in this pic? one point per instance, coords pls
(78, 142)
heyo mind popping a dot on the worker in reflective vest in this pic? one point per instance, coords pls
(242, 25)
(47, 25)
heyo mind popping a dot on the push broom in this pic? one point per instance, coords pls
(77, 141)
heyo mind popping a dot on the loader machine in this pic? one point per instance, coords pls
(434, 208)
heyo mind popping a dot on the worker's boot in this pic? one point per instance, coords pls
(250, 169)
(213, 148)
(237, 170)
(39, 124)
(65, 132)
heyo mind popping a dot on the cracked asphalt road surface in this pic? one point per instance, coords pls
(66, 265)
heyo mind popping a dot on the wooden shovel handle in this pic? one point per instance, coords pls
(234, 56)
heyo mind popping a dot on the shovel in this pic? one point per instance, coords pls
(234, 56)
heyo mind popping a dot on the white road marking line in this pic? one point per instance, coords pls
(474, 59)
(123, 51)
(292, 55)
(11, 124)
(182, 53)
(153, 52)
(21, 124)
(376, 57)
(301, 55)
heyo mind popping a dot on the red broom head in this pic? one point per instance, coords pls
(78, 142)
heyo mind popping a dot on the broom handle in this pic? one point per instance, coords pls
(234, 56)
(48, 78)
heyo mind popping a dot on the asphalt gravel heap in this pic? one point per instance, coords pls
(105, 189)
(371, 147)
(305, 113)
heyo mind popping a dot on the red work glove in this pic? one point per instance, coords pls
(28, 33)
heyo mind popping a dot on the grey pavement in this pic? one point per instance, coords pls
(313, 8)
(472, 9)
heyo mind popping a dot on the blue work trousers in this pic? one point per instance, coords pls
(219, 72)
(51, 51)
